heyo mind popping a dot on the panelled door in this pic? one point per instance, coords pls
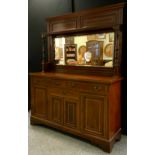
(94, 115)
(39, 102)
(55, 109)
(71, 113)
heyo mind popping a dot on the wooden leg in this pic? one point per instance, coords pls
(107, 147)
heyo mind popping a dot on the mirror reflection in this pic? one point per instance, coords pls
(85, 50)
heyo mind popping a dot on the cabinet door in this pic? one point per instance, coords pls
(94, 115)
(55, 109)
(71, 113)
(39, 102)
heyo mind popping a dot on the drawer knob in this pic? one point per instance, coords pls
(96, 87)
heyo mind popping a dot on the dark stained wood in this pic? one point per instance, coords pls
(93, 115)
(55, 109)
(86, 106)
(103, 19)
(81, 100)
(59, 76)
(105, 9)
(115, 107)
(39, 101)
(100, 19)
(63, 25)
(71, 113)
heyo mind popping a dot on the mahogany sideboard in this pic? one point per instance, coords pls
(83, 100)
(86, 106)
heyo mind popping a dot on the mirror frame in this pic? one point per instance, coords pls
(105, 19)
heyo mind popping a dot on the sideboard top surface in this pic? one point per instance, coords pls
(85, 78)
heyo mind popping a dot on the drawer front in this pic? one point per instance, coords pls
(94, 88)
(57, 83)
(65, 92)
(48, 82)
(91, 87)
(39, 81)
(69, 87)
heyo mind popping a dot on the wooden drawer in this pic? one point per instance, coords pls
(93, 88)
(64, 92)
(39, 81)
(51, 83)
(69, 87)
(57, 83)
(87, 87)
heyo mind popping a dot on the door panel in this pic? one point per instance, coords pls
(55, 109)
(71, 113)
(39, 102)
(93, 115)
